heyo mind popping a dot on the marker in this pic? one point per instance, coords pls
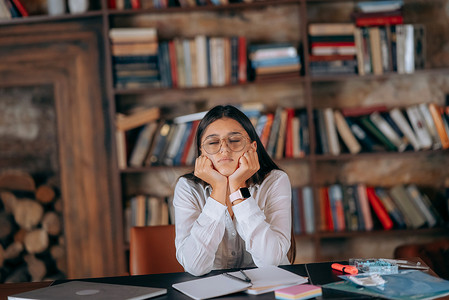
(345, 268)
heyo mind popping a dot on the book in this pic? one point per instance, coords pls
(346, 134)
(374, 130)
(300, 291)
(404, 126)
(142, 146)
(137, 118)
(331, 28)
(417, 200)
(410, 284)
(263, 280)
(394, 213)
(439, 125)
(336, 202)
(331, 131)
(379, 209)
(414, 218)
(363, 206)
(388, 131)
(307, 199)
(430, 125)
(418, 124)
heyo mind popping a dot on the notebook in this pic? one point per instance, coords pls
(263, 280)
(90, 290)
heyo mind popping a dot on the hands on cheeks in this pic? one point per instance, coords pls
(205, 170)
(248, 166)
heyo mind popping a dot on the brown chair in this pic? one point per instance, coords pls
(152, 250)
(435, 254)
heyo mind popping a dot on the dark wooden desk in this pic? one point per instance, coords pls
(318, 273)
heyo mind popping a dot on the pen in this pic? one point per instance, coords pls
(345, 268)
(247, 279)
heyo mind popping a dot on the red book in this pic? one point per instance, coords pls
(379, 21)
(242, 63)
(379, 209)
(189, 142)
(331, 57)
(173, 66)
(135, 4)
(111, 4)
(362, 110)
(20, 8)
(289, 133)
(327, 209)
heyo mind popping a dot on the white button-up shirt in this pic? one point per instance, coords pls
(208, 238)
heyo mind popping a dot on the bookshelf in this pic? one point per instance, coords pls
(288, 23)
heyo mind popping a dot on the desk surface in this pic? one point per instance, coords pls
(318, 273)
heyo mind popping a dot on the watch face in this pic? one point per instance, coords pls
(245, 193)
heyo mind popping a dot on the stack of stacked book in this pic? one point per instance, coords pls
(358, 207)
(203, 61)
(273, 60)
(135, 59)
(133, 4)
(332, 48)
(378, 128)
(384, 43)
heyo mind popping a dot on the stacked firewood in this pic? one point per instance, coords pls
(31, 230)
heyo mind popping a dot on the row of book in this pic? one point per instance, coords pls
(147, 210)
(378, 128)
(203, 61)
(345, 49)
(144, 140)
(138, 4)
(363, 208)
(303, 210)
(12, 9)
(135, 57)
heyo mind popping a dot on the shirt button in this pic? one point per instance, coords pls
(233, 234)
(233, 253)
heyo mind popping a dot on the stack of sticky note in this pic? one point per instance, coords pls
(300, 291)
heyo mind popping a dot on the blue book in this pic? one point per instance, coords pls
(307, 198)
(279, 61)
(296, 213)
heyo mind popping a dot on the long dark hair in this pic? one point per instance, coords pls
(231, 112)
(265, 161)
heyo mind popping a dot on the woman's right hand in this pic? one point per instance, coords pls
(204, 170)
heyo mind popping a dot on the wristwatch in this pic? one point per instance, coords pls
(241, 193)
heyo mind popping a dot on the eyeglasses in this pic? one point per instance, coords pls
(235, 143)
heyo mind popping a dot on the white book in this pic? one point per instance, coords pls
(400, 49)
(388, 131)
(362, 198)
(409, 53)
(334, 146)
(430, 125)
(404, 126)
(175, 143)
(187, 62)
(346, 134)
(201, 60)
(189, 117)
(417, 121)
(307, 198)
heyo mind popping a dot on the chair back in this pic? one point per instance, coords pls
(152, 250)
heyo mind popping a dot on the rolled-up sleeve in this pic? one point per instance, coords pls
(265, 223)
(199, 228)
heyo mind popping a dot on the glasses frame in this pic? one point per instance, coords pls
(221, 143)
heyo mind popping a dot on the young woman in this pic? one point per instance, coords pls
(234, 210)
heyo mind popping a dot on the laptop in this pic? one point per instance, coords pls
(90, 290)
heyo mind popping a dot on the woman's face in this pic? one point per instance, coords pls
(229, 134)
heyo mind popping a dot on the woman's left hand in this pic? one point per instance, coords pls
(248, 166)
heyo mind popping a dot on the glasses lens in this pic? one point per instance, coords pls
(212, 146)
(234, 142)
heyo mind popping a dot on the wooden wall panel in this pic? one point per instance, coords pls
(67, 57)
